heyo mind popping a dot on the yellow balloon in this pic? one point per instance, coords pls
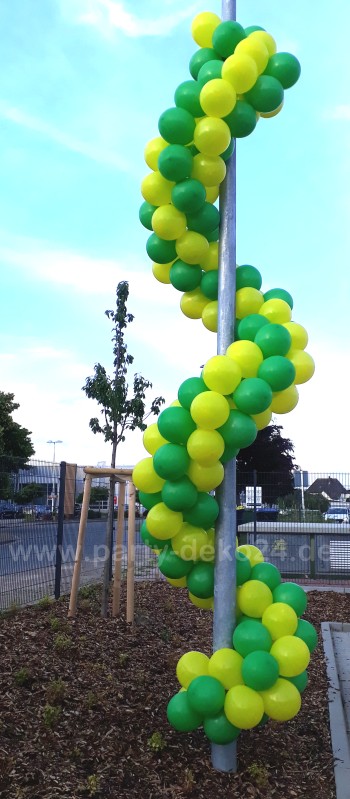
(270, 114)
(168, 222)
(248, 356)
(241, 70)
(209, 410)
(281, 702)
(212, 136)
(292, 655)
(222, 374)
(152, 439)
(162, 522)
(145, 478)
(262, 419)
(266, 39)
(276, 311)
(210, 262)
(217, 98)
(226, 666)
(189, 541)
(256, 50)
(212, 193)
(208, 552)
(208, 169)
(251, 552)
(204, 604)
(205, 446)
(248, 300)
(210, 316)
(162, 272)
(203, 27)
(304, 365)
(153, 150)
(280, 619)
(192, 303)
(253, 597)
(155, 189)
(180, 582)
(206, 478)
(285, 401)
(175, 404)
(243, 707)
(299, 335)
(191, 665)
(191, 247)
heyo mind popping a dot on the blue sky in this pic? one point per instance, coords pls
(83, 83)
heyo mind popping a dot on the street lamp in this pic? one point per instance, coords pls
(53, 493)
(57, 441)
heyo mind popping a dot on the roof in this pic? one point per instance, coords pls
(327, 485)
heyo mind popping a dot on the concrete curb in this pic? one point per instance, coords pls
(337, 719)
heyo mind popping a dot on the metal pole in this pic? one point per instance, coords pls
(224, 757)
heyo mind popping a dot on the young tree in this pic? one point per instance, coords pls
(271, 456)
(121, 409)
(29, 493)
(15, 444)
(98, 494)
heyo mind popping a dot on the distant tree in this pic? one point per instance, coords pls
(271, 456)
(98, 494)
(29, 493)
(316, 502)
(121, 409)
(15, 444)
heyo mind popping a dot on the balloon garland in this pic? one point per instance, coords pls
(237, 77)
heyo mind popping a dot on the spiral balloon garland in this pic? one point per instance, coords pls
(237, 77)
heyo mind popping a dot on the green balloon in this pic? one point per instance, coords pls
(279, 294)
(250, 636)
(278, 372)
(260, 670)
(293, 595)
(213, 236)
(171, 461)
(204, 512)
(172, 566)
(190, 389)
(307, 633)
(229, 453)
(252, 29)
(273, 339)
(219, 729)
(300, 681)
(200, 581)
(205, 220)
(206, 696)
(150, 540)
(210, 284)
(159, 250)
(180, 714)
(187, 97)
(226, 37)
(253, 395)
(209, 71)
(266, 94)
(150, 500)
(242, 120)
(176, 125)
(249, 326)
(285, 67)
(185, 277)
(243, 568)
(248, 276)
(239, 430)
(201, 57)
(228, 152)
(188, 196)
(176, 424)
(179, 495)
(145, 214)
(175, 162)
(267, 573)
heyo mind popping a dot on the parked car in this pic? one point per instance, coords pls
(8, 510)
(338, 514)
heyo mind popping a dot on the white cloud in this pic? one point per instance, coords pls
(340, 113)
(107, 14)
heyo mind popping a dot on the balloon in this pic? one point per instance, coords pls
(280, 619)
(209, 284)
(303, 364)
(192, 303)
(159, 250)
(300, 681)
(185, 277)
(253, 598)
(240, 70)
(226, 37)
(278, 372)
(168, 223)
(176, 425)
(247, 355)
(201, 57)
(191, 664)
(242, 119)
(190, 389)
(307, 633)
(239, 431)
(209, 71)
(217, 98)
(210, 316)
(176, 126)
(253, 395)
(276, 311)
(250, 325)
(256, 50)
(299, 335)
(179, 495)
(155, 189)
(293, 595)
(209, 169)
(187, 97)
(205, 446)
(203, 27)
(260, 670)
(188, 542)
(243, 568)
(221, 374)
(172, 566)
(206, 478)
(250, 636)
(210, 410)
(163, 523)
(262, 419)
(204, 220)
(248, 276)
(180, 714)
(248, 301)
(150, 540)
(181, 582)
(273, 339)
(267, 573)
(206, 696)
(279, 294)
(152, 151)
(203, 604)
(210, 262)
(292, 655)
(152, 439)
(175, 162)
(191, 247)
(285, 401)
(212, 136)
(145, 478)
(244, 707)
(281, 702)
(266, 39)
(252, 28)
(204, 512)
(149, 500)
(285, 68)
(219, 730)
(212, 194)
(229, 150)
(266, 95)
(145, 214)
(200, 581)
(226, 666)
(188, 196)
(171, 461)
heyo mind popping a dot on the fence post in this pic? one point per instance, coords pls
(312, 556)
(60, 521)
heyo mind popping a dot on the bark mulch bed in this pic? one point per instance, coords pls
(83, 708)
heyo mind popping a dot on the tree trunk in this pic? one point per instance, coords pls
(109, 537)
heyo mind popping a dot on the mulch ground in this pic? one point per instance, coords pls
(83, 709)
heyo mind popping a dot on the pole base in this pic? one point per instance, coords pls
(224, 757)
